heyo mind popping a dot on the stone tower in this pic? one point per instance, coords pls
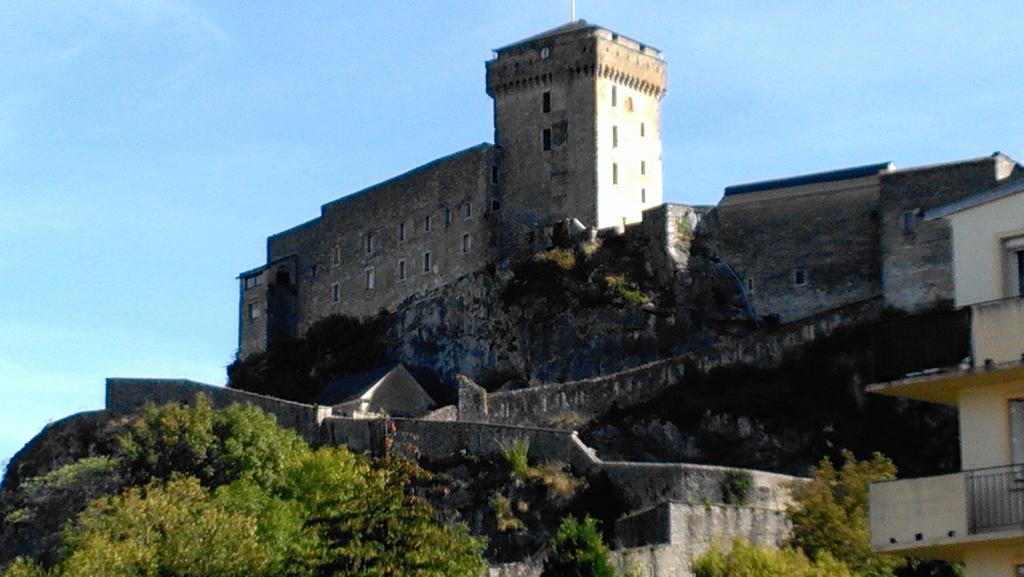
(577, 116)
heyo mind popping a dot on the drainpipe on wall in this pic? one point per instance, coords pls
(743, 290)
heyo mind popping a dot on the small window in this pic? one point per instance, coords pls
(369, 242)
(615, 173)
(546, 139)
(643, 167)
(335, 292)
(401, 269)
(750, 286)
(467, 209)
(615, 137)
(427, 267)
(494, 175)
(615, 96)
(447, 216)
(371, 279)
(629, 104)
(495, 204)
(465, 243)
(336, 256)
(251, 282)
(643, 130)
(908, 221)
(401, 231)
(254, 312)
(546, 102)
(643, 195)
(545, 52)
(313, 269)
(799, 277)
(426, 223)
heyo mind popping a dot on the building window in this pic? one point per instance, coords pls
(546, 139)
(335, 292)
(908, 221)
(465, 243)
(426, 262)
(799, 277)
(615, 95)
(447, 216)
(495, 204)
(467, 209)
(629, 104)
(313, 269)
(643, 167)
(336, 256)
(546, 104)
(369, 242)
(371, 279)
(426, 224)
(615, 137)
(750, 286)
(401, 231)
(401, 269)
(254, 312)
(643, 130)
(251, 282)
(643, 195)
(494, 175)
(1020, 273)
(615, 173)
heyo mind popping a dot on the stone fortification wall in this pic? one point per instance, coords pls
(585, 400)
(801, 250)
(695, 525)
(127, 395)
(917, 255)
(652, 483)
(369, 250)
(639, 485)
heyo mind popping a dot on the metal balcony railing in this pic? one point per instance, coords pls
(995, 499)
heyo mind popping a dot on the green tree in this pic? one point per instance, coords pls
(216, 447)
(228, 493)
(578, 550)
(746, 560)
(830, 514)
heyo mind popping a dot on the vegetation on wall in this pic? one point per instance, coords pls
(830, 535)
(193, 491)
(298, 369)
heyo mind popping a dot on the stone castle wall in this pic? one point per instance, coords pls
(369, 251)
(917, 260)
(826, 232)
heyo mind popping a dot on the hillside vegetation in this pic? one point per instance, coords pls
(192, 491)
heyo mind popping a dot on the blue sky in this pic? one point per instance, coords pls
(148, 147)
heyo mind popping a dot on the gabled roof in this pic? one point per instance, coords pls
(818, 177)
(570, 27)
(353, 386)
(975, 200)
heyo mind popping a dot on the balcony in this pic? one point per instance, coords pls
(941, 516)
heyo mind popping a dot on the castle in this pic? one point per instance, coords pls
(578, 145)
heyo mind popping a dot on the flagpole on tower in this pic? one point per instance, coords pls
(573, 11)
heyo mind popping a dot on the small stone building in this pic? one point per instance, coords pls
(390, 390)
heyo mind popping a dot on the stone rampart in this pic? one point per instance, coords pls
(127, 395)
(581, 401)
(647, 484)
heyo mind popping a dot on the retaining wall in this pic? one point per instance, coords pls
(585, 400)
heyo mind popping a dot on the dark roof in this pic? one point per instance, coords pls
(818, 177)
(352, 387)
(975, 200)
(570, 27)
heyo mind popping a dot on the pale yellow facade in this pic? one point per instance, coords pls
(986, 240)
(975, 516)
